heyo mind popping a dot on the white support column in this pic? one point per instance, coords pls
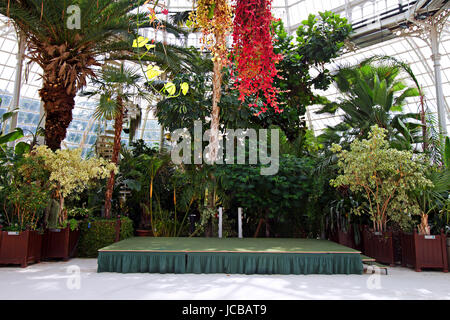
(348, 11)
(436, 57)
(18, 79)
(41, 139)
(240, 222)
(220, 221)
(288, 18)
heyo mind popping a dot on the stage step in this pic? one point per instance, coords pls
(367, 259)
(370, 262)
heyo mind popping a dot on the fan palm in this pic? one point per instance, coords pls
(67, 56)
(116, 86)
(372, 94)
(433, 199)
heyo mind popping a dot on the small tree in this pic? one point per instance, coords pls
(70, 174)
(26, 193)
(384, 176)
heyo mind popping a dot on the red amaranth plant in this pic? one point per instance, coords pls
(255, 60)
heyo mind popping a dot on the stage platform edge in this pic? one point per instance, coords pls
(229, 262)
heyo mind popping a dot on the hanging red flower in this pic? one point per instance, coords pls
(255, 60)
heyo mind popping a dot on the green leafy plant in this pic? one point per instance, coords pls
(373, 94)
(96, 233)
(383, 176)
(280, 197)
(117, 87)
(27, 194)
(318, 40)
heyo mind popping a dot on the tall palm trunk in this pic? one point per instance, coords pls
(215, 123)
(215, 115)
(424, 227)
(59, 102)
(118, 125)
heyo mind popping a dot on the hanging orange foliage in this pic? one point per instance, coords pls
(214, 18)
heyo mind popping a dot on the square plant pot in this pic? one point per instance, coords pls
(60, 243)
(448, 250)
(379, 245)
(344, 238)
(424, 251)
(20, 247)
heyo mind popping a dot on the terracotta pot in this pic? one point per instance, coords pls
(60, 243)
(144, 233)
(421, 251)
(20, 247)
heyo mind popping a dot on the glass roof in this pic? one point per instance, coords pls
(83, 129)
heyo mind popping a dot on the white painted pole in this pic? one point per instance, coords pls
(17, 82)
(220, 222)
(436, 57)
(240, 222)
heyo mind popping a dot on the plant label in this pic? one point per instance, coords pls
(13, 233)
(430, 237)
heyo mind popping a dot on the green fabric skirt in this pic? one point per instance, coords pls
(231, 263)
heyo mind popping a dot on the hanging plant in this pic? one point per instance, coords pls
(152, 71)
(214, 19)
(254, 58)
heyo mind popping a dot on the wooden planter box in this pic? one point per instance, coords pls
(20, 247)
(448, 250)
(144, 233)
(345, 238)
(379, 246)
(60, 243)
(421, 251)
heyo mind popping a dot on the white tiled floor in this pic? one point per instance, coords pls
(78, 279)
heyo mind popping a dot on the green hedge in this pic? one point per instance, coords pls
(98, 233)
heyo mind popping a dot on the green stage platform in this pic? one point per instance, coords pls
(229, 255)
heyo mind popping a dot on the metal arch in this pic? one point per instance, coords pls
(424, 62)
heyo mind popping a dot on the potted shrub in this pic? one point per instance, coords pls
(421, 248)
(342, 229)
(26, 197)
(69, 176)
(63, 242)
(384, 177)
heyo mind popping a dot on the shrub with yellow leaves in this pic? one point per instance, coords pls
(70, 174)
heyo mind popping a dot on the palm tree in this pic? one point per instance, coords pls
(67, 55)
(116, 86)
(372, 94)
